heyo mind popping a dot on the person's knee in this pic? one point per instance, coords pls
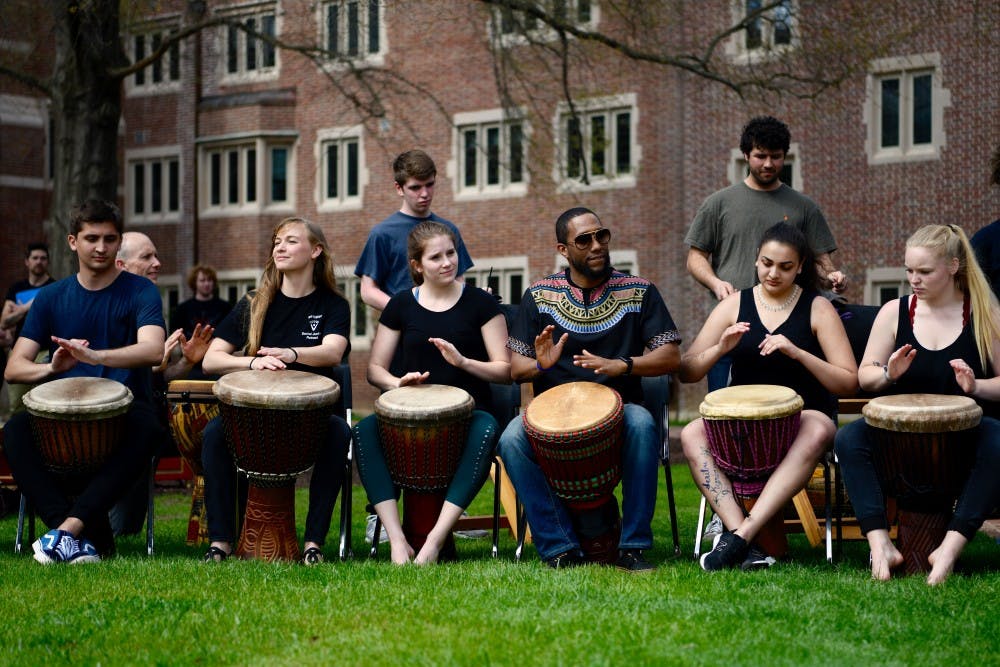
(513, 440)
(693, 439)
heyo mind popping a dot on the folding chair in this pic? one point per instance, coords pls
(656, 395)
(342, 375)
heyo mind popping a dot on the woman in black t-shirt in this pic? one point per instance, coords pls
(296, 319)
(450, 333)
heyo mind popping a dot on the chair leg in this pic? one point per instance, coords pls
(496, 506)
(149, 509)
(346, 500)
(522, 528)
(828, 507)
(376, 535)
(700, 527)
(19, 537)
(672, 506)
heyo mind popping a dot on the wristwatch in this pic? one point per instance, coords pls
(628, 365)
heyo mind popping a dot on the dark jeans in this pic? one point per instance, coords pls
(220, 481)
(855, 444)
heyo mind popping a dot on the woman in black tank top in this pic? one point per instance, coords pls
(780, 332)
(942, 339)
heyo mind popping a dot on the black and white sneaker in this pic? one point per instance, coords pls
(757, 559)
(729, 551)
(571, 558)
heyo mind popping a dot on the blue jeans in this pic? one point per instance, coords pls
(855, 445)
(551, 526)
(718, 374)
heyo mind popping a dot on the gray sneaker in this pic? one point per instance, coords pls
(471, 534)
(757, 559)
(713, 529)
(370, 530)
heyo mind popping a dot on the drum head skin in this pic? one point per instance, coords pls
(424, 402)
(276, 390)
(572, 407)
(922, 413)
(78, 398)
(751, 401)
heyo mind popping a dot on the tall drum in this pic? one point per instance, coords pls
(275, 423)
(78, 422)
(923, 456)
(575, 430)
(192, 406)
(423, 429)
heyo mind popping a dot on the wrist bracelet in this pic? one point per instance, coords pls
(252, 359)
(292, 349)
(539, 367)
(885, 374)
(628, 365)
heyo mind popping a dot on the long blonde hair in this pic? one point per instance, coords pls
(270, 281)
(950, 241)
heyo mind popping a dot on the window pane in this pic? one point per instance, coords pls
(279, 176)
(598, 141)
(251, 174)
(574, 148)
(753, 40)
(890, 113)
(623, 143)
(215, 179)
(786, 174)
(158, 63)
(507, 23)
(470, 157)
(267, 49)
(516, 154)
(232, 50)
(140, 53)
(332, 169)
(516, 289)
(333, 27)
(353, 29)
(360, 312)
(493, 282)
(559, 10)
(373, 26)
(175, 61)
(139, 188)
(352, 169)
(251, 53)
(583, 11)
(156, 187)
(493, 156)
(783, 23)
(173, 185)
(232, 175)
(922, 109)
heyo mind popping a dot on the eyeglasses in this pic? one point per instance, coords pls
(585, 240)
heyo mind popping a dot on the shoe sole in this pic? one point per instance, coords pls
(79, 560)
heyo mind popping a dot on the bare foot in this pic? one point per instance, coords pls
(428, 554)
(402, 553)
(884, 560)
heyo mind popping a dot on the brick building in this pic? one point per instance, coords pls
(227, 134)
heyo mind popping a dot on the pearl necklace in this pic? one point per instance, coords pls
(774, 309)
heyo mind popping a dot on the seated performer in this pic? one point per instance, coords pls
(296, 319)
(101, 322)
(782, 332)
(942, 339)
(451, 334)
(591, 323)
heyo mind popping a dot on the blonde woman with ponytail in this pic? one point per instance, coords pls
(296, 319)
(942, 339)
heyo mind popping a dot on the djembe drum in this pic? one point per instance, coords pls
(422, 430)
(192, 406)
(275, 423)
(923, 456)
(78, 423)
(575, 430)
(749, 429)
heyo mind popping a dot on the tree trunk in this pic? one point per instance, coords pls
(86, 112)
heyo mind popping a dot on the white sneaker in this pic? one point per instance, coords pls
(713, 529)
(59, 546)
(370, 530)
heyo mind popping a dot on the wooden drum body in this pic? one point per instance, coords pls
(192, 406)
(576, 430)
(78, 422)
(749, 430)
(923, 456)
(274, 423)
(423, 430)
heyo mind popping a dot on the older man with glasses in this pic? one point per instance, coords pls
(595, 324)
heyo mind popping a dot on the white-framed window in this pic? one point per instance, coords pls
(490, 154)
(353, 29)
(169, 286)
(597, 145)
(626, 261)
(246, 52)
(884, 284)
(515, 27)
(233, 284)
(153, 184)
(768, 33)
(342, 173)
(791, 172)
(904, 109)
(31, 116)
(243, 174)
(164, 75)
(363, 318)
(507, 276)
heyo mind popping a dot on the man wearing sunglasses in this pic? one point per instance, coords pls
(596, 324)
(728, 226)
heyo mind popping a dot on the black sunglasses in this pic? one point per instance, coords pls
(585, 240)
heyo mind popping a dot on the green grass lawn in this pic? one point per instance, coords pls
(172, 609)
